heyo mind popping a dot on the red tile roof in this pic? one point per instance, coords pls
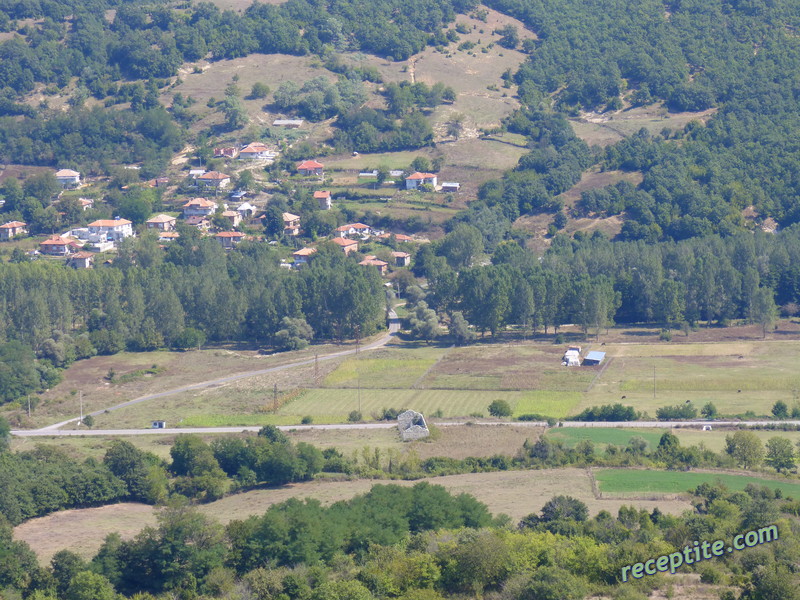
(161, 219)
(230, 234)
(305, 252)
(321, 195)
(343, 242)
(310, 164)
(55, 240)
(200, 203)
(13, 225)
(421, 176)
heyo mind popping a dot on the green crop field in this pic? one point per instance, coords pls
(633, 481)
(602, 435)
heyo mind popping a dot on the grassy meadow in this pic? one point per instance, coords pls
(638, 481)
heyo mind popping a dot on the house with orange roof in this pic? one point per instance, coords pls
(303, 256)
(214, 180)
(161, 223)
(229, 239)
(12, 229)
(168, 236)
(233, 216)
(399, 237)
(417, 179)
(81, 260)
(86, 203)
(311, 167)
(353, 229)
(373, 261)
(68, 178)
(111, 229)
(346, 245)
(199, 207)
(401, 259)
(256, 151)
(323, 197)
(56, 245)
(291, 224)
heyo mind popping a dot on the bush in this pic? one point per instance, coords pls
(307, 420)
(665, 335)
(500, 408)
(354, 416)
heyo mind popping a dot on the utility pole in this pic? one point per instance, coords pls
(80, 395)
(358, 369)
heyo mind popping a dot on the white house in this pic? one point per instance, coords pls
(353, 229)
(417, 179)
(111, 229)
(323, 197)
(303, 256)
(68, 178)
(450, 186)
(257, 150)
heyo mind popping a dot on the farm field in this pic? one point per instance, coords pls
(713, 440)
(737, 376)
(515, 493)
(640, 481)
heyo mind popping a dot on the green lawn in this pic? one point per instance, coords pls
(548, 403)
(675, 482)
(379, 372)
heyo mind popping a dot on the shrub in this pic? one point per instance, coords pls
(307, 420)
(500, 408)
(354, 416)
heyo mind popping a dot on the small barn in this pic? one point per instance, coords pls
(594, 358)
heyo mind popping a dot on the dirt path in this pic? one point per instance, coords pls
(394, 327)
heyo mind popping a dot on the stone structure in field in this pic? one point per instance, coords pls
(412, 426)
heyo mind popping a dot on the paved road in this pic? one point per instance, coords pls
(394, 327)
(598, 424)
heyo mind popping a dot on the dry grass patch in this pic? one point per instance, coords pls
(83, 530)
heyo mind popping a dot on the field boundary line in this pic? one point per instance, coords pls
(595, 489)
(416, 384)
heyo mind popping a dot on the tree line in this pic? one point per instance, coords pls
(192, 292)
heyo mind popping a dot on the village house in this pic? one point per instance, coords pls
(233, 216)
(401, 259)
(81, 260)
(353, 229)
(229, 239)
(323, 197)
(12, 229)
(111, 229)
(199, 207)
(346, 245)
(214, 180)
(303, 256)
(311, 167)
(161, 223)
(56, 245)
(195, 173)
(168, 236)
(199, 221)
(398, 237)
(86, 203)
(246, 210)
(158, 182)
(68, 178)
(228, 152)
(256, 151)
(417, 179)
(373, 261)
(291, 224)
